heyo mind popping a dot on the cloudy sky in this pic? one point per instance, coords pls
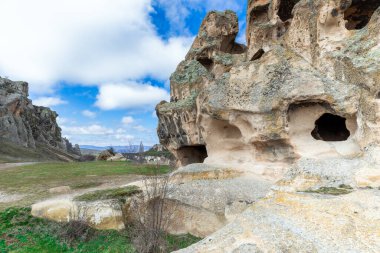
(103, 65)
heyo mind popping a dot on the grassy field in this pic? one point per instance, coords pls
(34, 181)
(22, 233)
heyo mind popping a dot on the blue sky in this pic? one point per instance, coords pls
(102, 65)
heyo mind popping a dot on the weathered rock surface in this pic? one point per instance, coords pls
(105, 214)
(299, 109)
(26, 125)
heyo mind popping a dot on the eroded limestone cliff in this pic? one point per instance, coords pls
(287, 129)
(26, 125)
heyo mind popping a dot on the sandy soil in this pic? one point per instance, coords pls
(4, 166)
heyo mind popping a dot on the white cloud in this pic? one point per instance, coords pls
(127, 120)
(97, 135)
(87, 130)
(48, 101)
(140, 128)
(86, 42)
(129, 95)
(89, 114)
(177, 11)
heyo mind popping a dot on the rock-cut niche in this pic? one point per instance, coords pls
(359, 13)
(192, 154)
(330, 127)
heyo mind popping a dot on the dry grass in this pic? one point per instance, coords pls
(35, 180)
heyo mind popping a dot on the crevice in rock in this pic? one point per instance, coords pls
(228, 45)
(258, 54)
(378, 95)
(192, 154)
(206, 62)
(286, 9)
(359, 13)
(330, 127)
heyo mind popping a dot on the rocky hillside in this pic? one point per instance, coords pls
(31, 128)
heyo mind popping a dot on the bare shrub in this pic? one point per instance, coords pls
(76, 230)
(151, 214)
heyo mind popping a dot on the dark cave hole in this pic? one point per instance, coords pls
(192, 154)
(286, 8)
(330, 127)
(359, 13)
(207, 63)
(378, 95)
(258, 54)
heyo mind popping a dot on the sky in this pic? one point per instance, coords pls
(102, 65)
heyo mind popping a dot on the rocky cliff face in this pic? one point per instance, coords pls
(297, 108)
(304, 61)
(26, 125)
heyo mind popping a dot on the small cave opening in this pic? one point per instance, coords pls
(259, 14)
(286, 9)
(192, 154)
(206, 62)
(330, 127)
(378, 95)
(229, 45)
(258, 54)
(359, 13)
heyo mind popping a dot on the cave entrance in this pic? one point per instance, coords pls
(330, 127)
(359, 13)
(286, 9)
(192, 154)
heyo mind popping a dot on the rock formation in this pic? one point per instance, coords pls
(277, 141)
(30, 126)
(287, 128)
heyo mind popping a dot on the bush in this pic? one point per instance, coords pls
(76, 230)
(87, 158)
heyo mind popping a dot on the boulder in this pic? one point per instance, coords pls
(105, 214)
(117, 157)
(104, 155)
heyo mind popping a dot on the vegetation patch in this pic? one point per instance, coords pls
(341, 190)
(166, 154)
(118, 193)
(22, 233)
(85, 185)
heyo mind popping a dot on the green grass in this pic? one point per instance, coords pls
(35, 180)
(341, 190)
(22, 233)
(117, 193)
(85, 185)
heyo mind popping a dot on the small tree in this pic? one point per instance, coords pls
(111, 150)
(141, 152)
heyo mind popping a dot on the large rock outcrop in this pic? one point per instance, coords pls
(297, 108)
(26, 125)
